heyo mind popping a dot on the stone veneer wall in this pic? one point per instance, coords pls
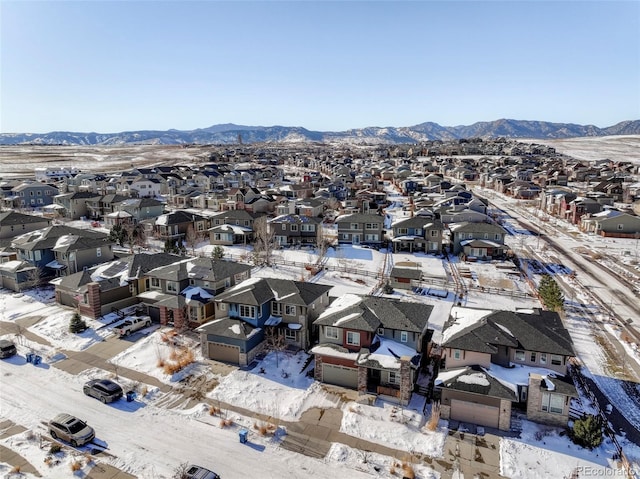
(534, 402)
(504, 420)
(317, 372)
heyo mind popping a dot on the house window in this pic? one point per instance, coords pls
(457, 354)
(330, 332)
(533, 357)
(433, 233)
(294, 227)
(222, 306)
(620, 227)
(172, 287)
(98, 252)
(553, 403)
(519, 355)
(498, 236)
(380, 331)
(394, 377)
(543, 358)
(556, 360)
(276, 308)
(404, 336)
(354, 226)
(371, 226)
(290, 334)
(290, 310)
(353, 338)
(216, 236)
(247, 311)
(192, 281)
(37, 255)
(155, 283)
(284, 227)
(402, 231)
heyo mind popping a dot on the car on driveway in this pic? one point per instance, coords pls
(71, 429)
(198, 472)
(103, 389)
(131, 324)
(7, 348)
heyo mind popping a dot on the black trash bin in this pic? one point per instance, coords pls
(131, 395)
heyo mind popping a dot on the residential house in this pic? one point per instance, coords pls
(493, 361)
(62, 250)
(146, 188)
(101, 206)
(612, 223)
(75, 205)
(291, 230)
(259, 313)
(359, 228)
(13, 223)
(372, 344)
(141, 209)
(30, 194)
(478, 240)
(175, 225)
(418, 234)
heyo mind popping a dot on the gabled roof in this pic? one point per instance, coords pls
(257, 291)
(178, 217)
(229, 328)
(74, 242)
(209, 269)
(368, 313)
(467, 227)
(14, 218)
(46, 238)
(360, 218)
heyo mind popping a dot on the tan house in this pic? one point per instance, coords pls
(493, 361)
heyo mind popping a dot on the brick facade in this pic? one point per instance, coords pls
(534, 405)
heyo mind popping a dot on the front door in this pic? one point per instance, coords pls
(355, 239)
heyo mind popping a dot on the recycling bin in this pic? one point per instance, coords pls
(243, 433)
(131, 395)
(37, 359)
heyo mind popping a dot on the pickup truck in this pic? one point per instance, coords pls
(131, 324)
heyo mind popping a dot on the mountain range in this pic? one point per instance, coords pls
(230, 133)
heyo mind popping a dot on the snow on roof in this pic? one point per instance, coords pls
(445, 376)
(235, 328)
(190, 291)
(162, 220)
(505, 329)
(463, 318)
(518, 375)
(474, 378)
(389, 353)
(348, 317)
(151, 295)
(329, 351)
(343, 302)
(65, 240)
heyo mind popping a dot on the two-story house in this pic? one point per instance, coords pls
(372, 344)
(495, 360)
(32, 194)
(359, 228)
(479, 240)
(231, 227)
(418, 234)
(295, 229)
(252, 311)
(13, 223)
(175, 225)
(75, 205)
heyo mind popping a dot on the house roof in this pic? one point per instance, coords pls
(257, 291)
(359, 218)
(474, 379)
(46, 238)
(178, 217)
(229, 328)
(368, 313)
(537, 331)
(466, 227)
(209, 269)
(15, 218)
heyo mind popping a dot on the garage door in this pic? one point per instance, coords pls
(475, 413)
(224, 352)
(340, 376)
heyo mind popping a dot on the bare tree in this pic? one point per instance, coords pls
(33, 277)
(192, 239)
(264, 241)
(275, 342)
(136, 236)
(322, 244)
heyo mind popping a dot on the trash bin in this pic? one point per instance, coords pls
(131, 395)
(243, 433)
(30, 357)
(37, 359)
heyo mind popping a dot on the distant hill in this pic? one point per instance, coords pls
(230, 133)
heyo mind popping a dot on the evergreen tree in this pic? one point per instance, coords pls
(550, 293)
(77, 324)
(118, 234)
(587, 431)
(217, 252)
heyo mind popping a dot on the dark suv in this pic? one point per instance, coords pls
(7, 348)
(103, 389)
(197, 472)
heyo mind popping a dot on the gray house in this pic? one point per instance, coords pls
(478, 239)
(359, 228)
(13, 223)
(31, 194)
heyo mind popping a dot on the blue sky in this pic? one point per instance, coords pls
(323, 65)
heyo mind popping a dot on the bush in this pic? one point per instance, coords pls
(55, 448)
(77, 324)
(587, 431)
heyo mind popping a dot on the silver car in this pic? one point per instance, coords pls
(71, 429)
(103, 389)
(198, 472)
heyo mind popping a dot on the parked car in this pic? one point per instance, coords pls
(198, 472)
(71, 429)
(132, 324)
(103, 389)
(7, 348)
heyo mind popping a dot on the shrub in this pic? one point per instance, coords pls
(76, 465)
(77, 324)
(408, 472)
(55, 448)
(432, 424)
(587, 431)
